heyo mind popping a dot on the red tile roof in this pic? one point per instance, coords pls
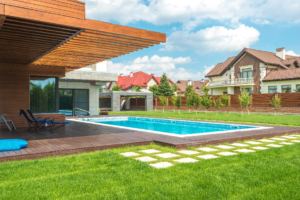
(137, 79)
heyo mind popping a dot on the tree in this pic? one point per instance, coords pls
(163, 101)
(155, 90)
(197, 101)
(218, 104)
(245, 100)
(173, 100)
(190, 101)
(189, 90)
(164, 88)
(115, 88)
(100, 89)
(137, 88)
(174, 88)
(276, 103)
(178, 102)
(206, 99)
(225, 101)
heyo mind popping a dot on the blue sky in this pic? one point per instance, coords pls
(200, 34)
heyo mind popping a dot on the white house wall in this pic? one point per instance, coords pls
(265, 85)
(93, 93)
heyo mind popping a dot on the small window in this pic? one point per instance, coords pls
(286, 88)
(272, 89)
(297, 86)
(249, 90)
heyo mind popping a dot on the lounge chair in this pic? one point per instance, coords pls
(6, 122)
(32, 125)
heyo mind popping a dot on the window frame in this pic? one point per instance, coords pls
(56, 95)
(290, 87)
(272, 89)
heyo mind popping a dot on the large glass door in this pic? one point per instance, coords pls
(66, 101)
(81, 100)
(71, 98)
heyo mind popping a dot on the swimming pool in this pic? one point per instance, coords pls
(178, 128)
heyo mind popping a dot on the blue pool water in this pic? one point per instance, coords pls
(176, 127)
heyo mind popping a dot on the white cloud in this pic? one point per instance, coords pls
(157, 65)
(292, 53)
(261, 22)
(190, 12)
(214, 39)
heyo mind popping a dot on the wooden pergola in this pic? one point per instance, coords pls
(56, 33)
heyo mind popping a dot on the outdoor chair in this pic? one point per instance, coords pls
(6, 122)
(32, 125)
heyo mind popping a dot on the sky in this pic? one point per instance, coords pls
(200, 33)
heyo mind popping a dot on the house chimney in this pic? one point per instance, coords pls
(280, 53)
(189, 82)
(121, 74)
(152, 74)
(131, 74)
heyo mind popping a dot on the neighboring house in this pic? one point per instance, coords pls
(197, 85)
(257, 72)
(136, 79)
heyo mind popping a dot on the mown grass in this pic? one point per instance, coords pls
(268, 119)
(267, 174)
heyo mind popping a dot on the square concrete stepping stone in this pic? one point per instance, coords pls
(150, 151)
(280, 139)
(207, 149)
(225, 147)
(245, 150)
(240, 145)
(186, 160)
(253, 142)
(260, 148)
(274, 145)
(188, 152)
(265, 140)
(295, 141)
(286, 143)
(289, 137)
(208, 156)
(128, 154)
(161, 165)
(227, 153)
(146, 159)
(167, 155)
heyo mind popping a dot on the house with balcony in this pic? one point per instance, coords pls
(257, 72)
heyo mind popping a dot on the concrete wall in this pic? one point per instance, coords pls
(93, 93)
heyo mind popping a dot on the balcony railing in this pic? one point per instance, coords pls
(232, 82)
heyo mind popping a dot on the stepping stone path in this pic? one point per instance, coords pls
(167, 155)
(245, 150)
(188, 152)
(128, 154)
(286, 143)
(146, 159)
(161, 165)
(295, 141)
(207, 149)
(150, 151)
(227, 154)
(186, 160)
(240, 145)
(265, 140)
(289, 137)
(225, 147)
(280, 139)
(208, 156)
(260, 148)
(274, 145)
(252, 142)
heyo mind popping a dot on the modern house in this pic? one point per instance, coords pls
(257, 72)
(197, 85)
(136, 79)
(42, 41)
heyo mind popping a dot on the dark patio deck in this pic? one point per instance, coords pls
(81, 137)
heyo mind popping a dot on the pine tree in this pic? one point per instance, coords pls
(155, 90)
(164, 88)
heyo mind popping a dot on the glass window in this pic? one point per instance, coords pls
(81, 100)
(297, 86)
(286, 88)
(272, 89)
(249, 90)
(66, 102)
(247, 73)
(43, 91)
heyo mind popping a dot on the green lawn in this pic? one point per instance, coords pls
(267, 174)
(287, 120)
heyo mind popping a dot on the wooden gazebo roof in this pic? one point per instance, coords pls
(56, 33)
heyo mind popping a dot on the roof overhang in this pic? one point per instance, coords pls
(57, 34)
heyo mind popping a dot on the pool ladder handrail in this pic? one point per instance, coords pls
(80, 109)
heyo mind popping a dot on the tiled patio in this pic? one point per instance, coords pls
(81, 137)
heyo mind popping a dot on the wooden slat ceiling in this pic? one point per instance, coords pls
(38, 43)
